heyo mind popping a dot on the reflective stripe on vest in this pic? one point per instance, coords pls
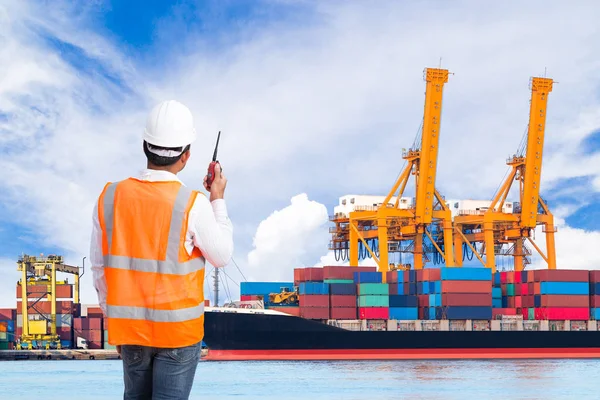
(168, 291)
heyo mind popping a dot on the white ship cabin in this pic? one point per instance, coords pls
(476, 207)
(351, 202)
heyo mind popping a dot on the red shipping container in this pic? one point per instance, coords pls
(503, 277)
(423, 300)
(466, 299)
(561, 275)
(392, 276)
(558, 300)
(344, 272)
(45, 307)
(420, 275)
(517, 289)
(467, 286)
(64, 291)
(594, 276)
(94, 312)
(517, 278)
(536, 288)
(344, 313)
(95, 323)
(245, 297)
(93, 345)
(8, 314)
(422, 313)
(503, 311)
(288, 310)
(595, 301)
(299, 275)
(314, 300)
(510, 302)
(524, 289)
(81, 324)
(393, 288)
(313, 274)
(64, 332)
(518, 302)
(435, 274)
(314, 312)
(558, 313)
(343, 301)
(425, 275)
(374, 313)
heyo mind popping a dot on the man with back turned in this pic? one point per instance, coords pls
(150, 240)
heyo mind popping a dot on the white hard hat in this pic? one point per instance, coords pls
(170, 124)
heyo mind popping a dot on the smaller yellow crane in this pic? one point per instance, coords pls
(41, 271)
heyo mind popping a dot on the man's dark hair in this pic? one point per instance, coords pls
(161, 161)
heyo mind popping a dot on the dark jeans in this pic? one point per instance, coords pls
(155, 374)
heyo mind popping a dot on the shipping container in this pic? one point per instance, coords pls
(342, 289)
(66, 344)
(314, 300)
(344, 313)
(8, 313)
(373, 289)
(466, 287)
(339, 281)
(464, 313)
(435, 300)
(4, 345)
(3, 336)
(313, 274)
(343, 301)
(467, 299)
(373, 301)
(397, 301)
(466, 274)
(559, 313)
(503, 311)
(497, 303)
(594, 276)
(314, 312)
(561, 300)
(307, 288)
(299, 275)
(344, 272)
(45, 307)
(288, 310)
(561, 275)
(404, 313)
(595, 288)
(564, 288)
(367, 277)
(496, 293)
(373, 313)
(595, 313)
(263, 288)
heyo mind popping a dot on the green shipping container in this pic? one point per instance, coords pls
(338, 281)
(531, 313)
(373, 288)
(374, 301)
(4, 345)
(510, 289)
(107, 346)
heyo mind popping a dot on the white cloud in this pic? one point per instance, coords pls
(297, 107)
(288, 239)
(8, 283)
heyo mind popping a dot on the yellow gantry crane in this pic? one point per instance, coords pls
(495, 228)
(393, 226)
(41, 272)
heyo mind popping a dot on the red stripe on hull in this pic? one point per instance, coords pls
(401, 354)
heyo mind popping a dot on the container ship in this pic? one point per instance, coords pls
(435, 313)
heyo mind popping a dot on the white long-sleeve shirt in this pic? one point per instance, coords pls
(209, 229)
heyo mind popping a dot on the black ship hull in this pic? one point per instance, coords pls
(256, 336)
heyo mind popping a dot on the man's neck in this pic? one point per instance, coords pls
(157, 168)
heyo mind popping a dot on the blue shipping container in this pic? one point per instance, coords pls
(66, 344)
(496, 293)
(313, 288)
(466, 274)
(433, 311)
(398, 301)
(564, 288)
(497, 281)
(497, 303)
(368, 277)
(404, 313)
(466, 312)
(595, 288)
(400, 289)
(595, 313)
(342, 288)
(412, 275)
(258, 288)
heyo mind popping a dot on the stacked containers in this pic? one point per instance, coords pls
(403, 295)
(7, 328)
(89, 328)
(314, 299)
(509, 284)
(454, 293)
(373, 295)
(595, 295)
(342, 291)
(561, 295)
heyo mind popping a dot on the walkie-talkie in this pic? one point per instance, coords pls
(212, 165)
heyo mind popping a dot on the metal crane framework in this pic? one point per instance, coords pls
(505, 234)
(41, 271)
(387, 228)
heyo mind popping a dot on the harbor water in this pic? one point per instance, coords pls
(498, 379)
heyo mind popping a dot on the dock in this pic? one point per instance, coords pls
(67, 354)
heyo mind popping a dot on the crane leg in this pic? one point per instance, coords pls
(418, 254)
(448, 246)
(519, 255)
(490, 261)
(550, 246)
(353, 239)
(382, 233)
(458, 249)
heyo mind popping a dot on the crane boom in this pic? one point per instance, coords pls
(540, 87)
(435, 78)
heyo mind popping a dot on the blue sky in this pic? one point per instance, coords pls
(316, 98)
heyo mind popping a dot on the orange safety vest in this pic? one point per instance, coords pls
(155, 289)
